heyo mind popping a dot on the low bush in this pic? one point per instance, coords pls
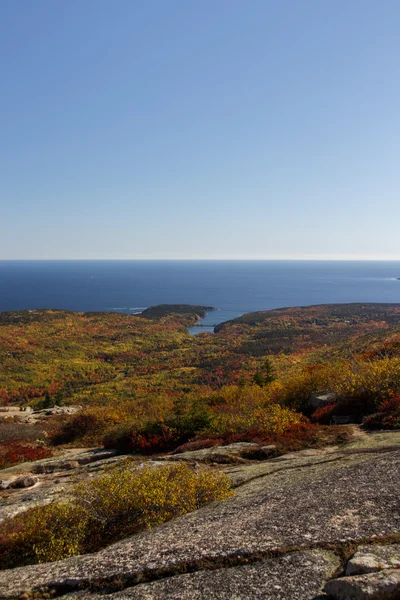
(270, 419)
(154, 437)
(366, 384)
(355, 408)
(21, 442)
(361, 384)
(231, 410)
(324, 414)
(12, 453)
(296, 389)
(88, 425)
(307, 435)
(387, 417)
(130, 499)
(43, 534)
(21, 432)
(296, 437)
(118, 504)
(75, 428)
(158, 435)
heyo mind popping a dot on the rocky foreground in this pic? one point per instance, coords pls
(309, 525)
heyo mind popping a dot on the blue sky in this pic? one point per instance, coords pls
(199, 129)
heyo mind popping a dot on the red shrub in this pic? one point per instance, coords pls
(74, 428)
(323, 415)
(125, 439)
(15, 452)
(150, 443)
(387, 417)
(20, 432)
(391, 406)
(294, 438)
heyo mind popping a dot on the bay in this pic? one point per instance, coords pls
(232, 287)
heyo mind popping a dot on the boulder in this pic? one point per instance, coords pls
(372, 558)
(58, 410)
(261, 452)
(319, 400)
(67, 465)
(55, 478)
(95, 455)
(22, 482)
(341, 419)
(231, 453)
(53, 467)
(384, 585)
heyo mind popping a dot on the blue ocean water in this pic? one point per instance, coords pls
(232, 287)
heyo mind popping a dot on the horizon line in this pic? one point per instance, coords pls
(348, 258)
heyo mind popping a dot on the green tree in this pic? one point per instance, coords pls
(265, 375)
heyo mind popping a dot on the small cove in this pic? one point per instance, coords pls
(213, 318)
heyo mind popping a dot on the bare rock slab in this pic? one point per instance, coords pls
(298, 576)
(353, 497)
(384, 585)
(281, 507)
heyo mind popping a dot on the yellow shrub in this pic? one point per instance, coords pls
(43, 534)
(268, 419)
(129, 499)
(276, 419)
(295, 389)
(210, 486)
(376, 380)
(120, 503)
(365, 381)
(242, 409)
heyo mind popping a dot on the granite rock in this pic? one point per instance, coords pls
(334, 501)
(231, 453)
(371, 558)
(384, 585)
(297, 575)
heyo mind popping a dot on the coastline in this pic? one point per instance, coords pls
(199, 327)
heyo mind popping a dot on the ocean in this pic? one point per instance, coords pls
(232, 287)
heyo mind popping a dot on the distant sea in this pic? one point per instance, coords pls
(232, 287)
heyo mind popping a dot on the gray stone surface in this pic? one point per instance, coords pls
(384, 585)
(23, 482)
(371, 558)
(50, 478)
(298, 576)
(27, 415)
(231, 453)
(324, 399)
(300, 502)
(321, 500)
(341, 419)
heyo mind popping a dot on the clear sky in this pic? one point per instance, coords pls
(199, 129)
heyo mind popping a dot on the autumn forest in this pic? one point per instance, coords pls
(144, 385)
